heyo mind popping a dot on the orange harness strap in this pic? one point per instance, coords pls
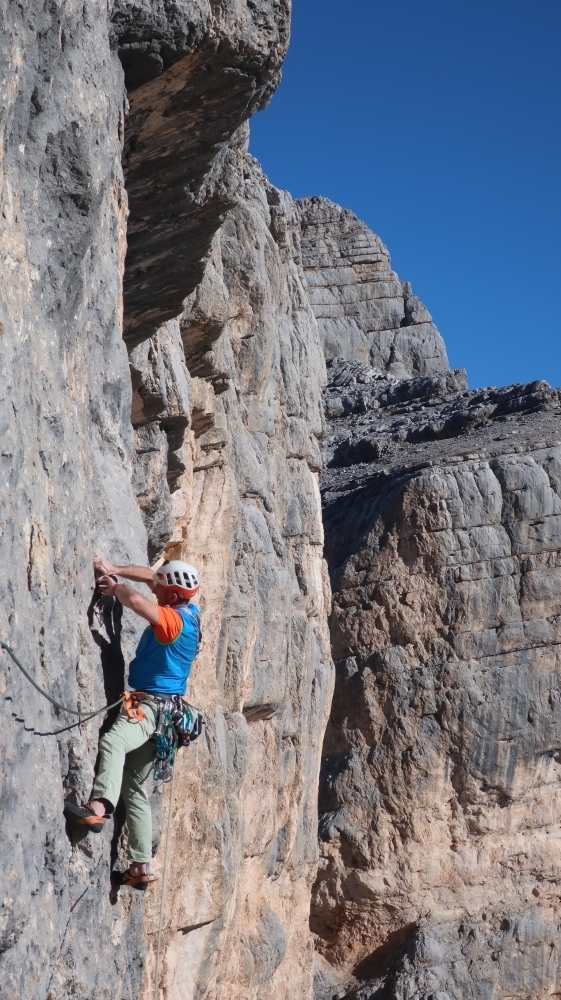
(131, 705)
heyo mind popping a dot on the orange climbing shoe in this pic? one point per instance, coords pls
(84, 817)
(134, 881)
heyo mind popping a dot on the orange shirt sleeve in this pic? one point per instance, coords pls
(169, 626)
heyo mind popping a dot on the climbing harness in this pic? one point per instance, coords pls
(53, 701)
(178, 724)
(131, 705)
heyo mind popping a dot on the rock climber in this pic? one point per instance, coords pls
(158, 672)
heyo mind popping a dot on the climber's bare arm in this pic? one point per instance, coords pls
(130, 598)
(139, 574)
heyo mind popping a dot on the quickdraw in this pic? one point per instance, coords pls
(165, 740)
(177, 726)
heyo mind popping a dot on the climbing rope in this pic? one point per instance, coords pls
(163, 896)
(53, 701)
(90, 715)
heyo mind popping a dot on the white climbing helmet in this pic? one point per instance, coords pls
(179, 575)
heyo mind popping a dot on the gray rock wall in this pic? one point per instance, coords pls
(195, 71)
(105, 453)
(365, 313)
(247, 512)
(66, 488)
(439, 790)
(446, 683)
(439, 787)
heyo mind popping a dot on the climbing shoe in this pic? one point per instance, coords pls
(83, 816)
(134, 881)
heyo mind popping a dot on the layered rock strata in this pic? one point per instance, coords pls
(365, 313)
(439, 792)
(195, 73)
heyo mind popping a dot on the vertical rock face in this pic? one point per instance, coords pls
(364, 312)
(439, 790)
(67, 453)
(224, 458)
(247, 512)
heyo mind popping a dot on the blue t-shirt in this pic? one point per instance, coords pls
(164, 668)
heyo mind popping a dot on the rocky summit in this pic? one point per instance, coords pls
(195, 365)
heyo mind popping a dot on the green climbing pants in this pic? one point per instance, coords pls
(126, 757)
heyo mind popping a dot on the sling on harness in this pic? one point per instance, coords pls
(131, 705)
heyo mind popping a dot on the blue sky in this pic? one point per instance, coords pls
(439, 123)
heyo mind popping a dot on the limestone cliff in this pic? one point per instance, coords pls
(439, 798)
(247, 512)
(207, 433)
(195, 71)
(364, 311)
(66, 487)
(162, 317)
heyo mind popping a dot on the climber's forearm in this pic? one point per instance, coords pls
(136, 602)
